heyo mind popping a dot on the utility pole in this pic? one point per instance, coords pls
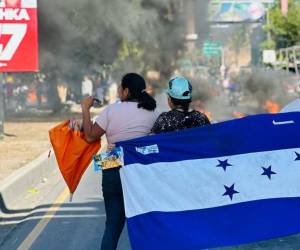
(191, 35)
(284, 7)
(2, 105)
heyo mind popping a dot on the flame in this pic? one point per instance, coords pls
(237, 114)
(271, 107)
(31, 96)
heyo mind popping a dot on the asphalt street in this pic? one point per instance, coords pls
(60, 224)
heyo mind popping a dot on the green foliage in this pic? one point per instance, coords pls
(239, 38)
(130, 58)
(284, 30)
(128, 49)
(268, 44)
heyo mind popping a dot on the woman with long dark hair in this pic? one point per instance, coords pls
(130, 118)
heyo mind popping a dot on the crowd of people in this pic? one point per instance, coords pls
(102, 89)
(22, 94)
(19, 94)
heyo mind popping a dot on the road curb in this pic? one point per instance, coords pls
(19, 182)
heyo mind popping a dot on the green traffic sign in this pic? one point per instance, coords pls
(212, 44)
(212, 48)
(212, 53)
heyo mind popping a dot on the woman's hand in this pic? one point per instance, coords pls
(110, 147)
(87, 103)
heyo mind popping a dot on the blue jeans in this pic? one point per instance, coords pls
(114, 208)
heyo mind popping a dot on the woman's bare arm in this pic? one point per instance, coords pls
(92, 132)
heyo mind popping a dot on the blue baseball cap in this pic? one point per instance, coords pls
(180, 88)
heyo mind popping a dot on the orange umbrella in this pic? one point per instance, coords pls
(73, 153)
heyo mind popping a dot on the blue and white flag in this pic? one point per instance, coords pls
(224, 184)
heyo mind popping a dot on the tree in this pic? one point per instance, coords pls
(238, 39)
(2, 107)
(284, 30)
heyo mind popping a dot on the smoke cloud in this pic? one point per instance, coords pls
(81, 35)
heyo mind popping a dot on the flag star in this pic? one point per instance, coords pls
(224, 164)
(268, 172)
(230, 191)
(298, 156)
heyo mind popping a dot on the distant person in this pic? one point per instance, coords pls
(150, 91)
(62, 90)
(180, 116)
(87, 87)
(131, 118)
(10, 87)
(99, 92)
(39, 92)
(112, 93)
(226, 83)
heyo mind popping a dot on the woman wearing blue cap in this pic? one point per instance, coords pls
(180, 116)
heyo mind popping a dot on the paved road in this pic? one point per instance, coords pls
(77, 225)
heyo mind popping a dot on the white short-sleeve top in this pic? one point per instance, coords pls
(124, 120)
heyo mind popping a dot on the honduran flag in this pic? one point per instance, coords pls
(224, 184)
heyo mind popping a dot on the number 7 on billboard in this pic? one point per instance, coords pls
(18, 36)
(17, 32)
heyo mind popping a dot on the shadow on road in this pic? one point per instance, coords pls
(81, 225)
(73, 226)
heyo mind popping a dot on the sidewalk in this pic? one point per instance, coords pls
(25, 142)
(26, 139)
(23, 191)
(27, 174)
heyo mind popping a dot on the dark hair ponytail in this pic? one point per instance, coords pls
(146, 101)
(137, 91)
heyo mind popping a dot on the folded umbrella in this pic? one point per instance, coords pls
(73, 153)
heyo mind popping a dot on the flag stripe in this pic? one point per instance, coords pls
(183, 192)
(215, 227)
(239, 136)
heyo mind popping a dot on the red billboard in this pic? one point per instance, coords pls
(18, 36)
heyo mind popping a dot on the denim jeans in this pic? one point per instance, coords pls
(114, 208)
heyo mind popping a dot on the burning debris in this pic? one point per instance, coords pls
(260, 91)
(271, 107)
(238, 115)
(264, 90)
